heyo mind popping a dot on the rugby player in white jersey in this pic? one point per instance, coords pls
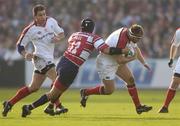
(43, 32)
(176, 76)
(110, 66)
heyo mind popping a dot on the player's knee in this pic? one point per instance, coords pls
(33, 89)
(131, 80)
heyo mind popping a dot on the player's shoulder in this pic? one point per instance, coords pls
(28, 27)
(178, 31)
(86, 34)
(51, 19)
(119, 31)
(122, 30)
(93, 35)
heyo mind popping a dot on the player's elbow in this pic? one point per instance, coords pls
(20, 48)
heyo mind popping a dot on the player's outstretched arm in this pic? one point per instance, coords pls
(141, 58)
(173, 51)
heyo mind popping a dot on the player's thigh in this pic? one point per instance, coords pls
(51, 74)
(124, 73)
(175, 82)
(177, 67)
(37, 80)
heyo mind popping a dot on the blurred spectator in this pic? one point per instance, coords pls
(160, 18)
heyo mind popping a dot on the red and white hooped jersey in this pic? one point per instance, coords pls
(41, 37)
(176, 38)
(81, 45)
(120, 39)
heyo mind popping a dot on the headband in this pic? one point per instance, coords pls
(132, 34)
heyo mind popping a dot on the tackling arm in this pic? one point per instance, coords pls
(115, 51)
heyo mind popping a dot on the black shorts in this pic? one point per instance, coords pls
(45, 70)
(67, 71)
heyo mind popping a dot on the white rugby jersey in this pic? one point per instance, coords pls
(120, 39)
(176, 38)
(41, 37)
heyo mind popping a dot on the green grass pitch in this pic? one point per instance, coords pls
(114, 110)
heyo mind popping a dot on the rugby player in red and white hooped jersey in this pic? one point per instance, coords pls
(110, 66)
(81, 44)
(43, 32)
(176, 76)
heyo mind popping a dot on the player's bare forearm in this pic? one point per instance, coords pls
(27, 56)
(58, 37)
(61, 35)
(173, 51)
(23, 53)
(140, 56)
(141, 59)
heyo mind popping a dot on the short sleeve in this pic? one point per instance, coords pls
(100, 44)
(24, 39)
(57, 29)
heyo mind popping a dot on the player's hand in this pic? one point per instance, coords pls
(56, 39)
(29, 56)
(147, 66)
(170, 63)
(126, 51)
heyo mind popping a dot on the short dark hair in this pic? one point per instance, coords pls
(38, 7)
(87, 25)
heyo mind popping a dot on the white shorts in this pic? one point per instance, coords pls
(41, 63)
(177, 67)
(106, 66)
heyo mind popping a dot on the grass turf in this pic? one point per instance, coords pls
(114, 110)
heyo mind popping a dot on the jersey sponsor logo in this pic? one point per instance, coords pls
(39, 32)
(48, 34)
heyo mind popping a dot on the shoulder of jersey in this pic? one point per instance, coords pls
(50, 18)
(95, 37)
(28, 27)
(178, 30)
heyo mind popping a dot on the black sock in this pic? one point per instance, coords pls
(42, 100)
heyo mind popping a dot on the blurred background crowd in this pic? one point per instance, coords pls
(160, 19)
